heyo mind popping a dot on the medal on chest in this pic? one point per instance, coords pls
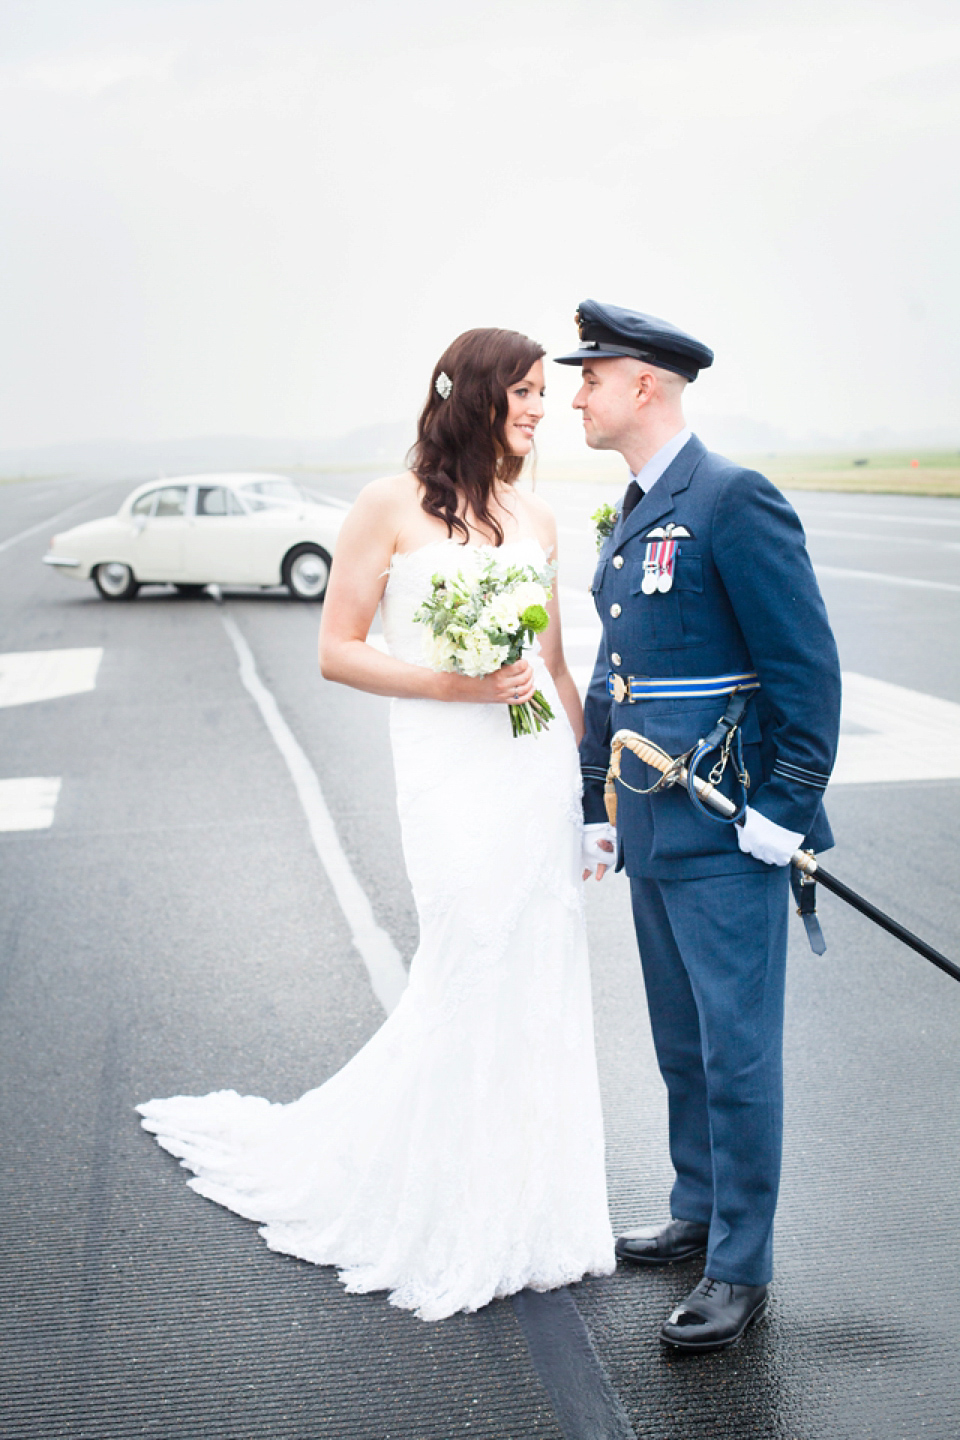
(658, 566)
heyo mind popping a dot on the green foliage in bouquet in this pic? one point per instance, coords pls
(482, 618)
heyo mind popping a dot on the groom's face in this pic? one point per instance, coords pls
(608, 400)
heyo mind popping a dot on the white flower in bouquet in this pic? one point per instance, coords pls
(501, 613)
(441, 652)
(481, 618)
(479, 655)
(527, 593)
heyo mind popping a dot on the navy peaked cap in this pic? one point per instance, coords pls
(609, 330)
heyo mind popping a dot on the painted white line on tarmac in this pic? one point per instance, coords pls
(911, 517)
(53, 520)
(378, 952)
(882, 577)
(28, 803)
(27, 676)
(910, 736)
(899, 540)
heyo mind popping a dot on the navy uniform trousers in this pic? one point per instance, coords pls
(711, 922)
(714, 959)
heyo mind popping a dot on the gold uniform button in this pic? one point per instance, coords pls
(614, 610)
(616, 658)
(618, 562)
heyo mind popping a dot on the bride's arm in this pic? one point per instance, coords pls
(361, 561)
(551, 641)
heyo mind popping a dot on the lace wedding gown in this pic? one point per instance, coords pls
(459, 1155)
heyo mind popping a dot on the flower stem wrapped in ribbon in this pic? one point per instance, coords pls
(482, 618)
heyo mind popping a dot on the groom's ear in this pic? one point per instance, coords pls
(644, 387)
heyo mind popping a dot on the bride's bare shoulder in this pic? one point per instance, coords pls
(388, 500)
(390, 494)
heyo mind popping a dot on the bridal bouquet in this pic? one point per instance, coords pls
(481, 618)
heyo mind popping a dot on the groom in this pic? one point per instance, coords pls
(705, 584)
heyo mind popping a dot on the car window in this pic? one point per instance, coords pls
(211, 500)
(172, 501)
(233, 505)
(145, 504)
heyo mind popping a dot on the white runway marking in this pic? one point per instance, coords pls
(883, 578)
(377, 950)
(27, 676)
(53, 520)
(898, 540)
(911, 736)
(911, 518)
(29, 803)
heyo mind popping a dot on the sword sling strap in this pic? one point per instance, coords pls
(804, 889)
(724, 736)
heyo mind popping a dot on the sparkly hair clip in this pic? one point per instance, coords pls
(444, 385)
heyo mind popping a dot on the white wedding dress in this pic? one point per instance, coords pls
(459, 1156)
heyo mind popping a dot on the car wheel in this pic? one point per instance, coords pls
(115, 581)
(306, 571)
(190, 592)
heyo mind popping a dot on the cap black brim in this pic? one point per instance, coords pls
(577, 357)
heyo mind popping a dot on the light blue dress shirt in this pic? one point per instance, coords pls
(655, 466)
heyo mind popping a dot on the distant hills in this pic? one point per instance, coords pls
(383, 446)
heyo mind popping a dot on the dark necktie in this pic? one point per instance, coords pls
(631, 499)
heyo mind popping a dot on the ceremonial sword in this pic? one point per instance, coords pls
(675, 772)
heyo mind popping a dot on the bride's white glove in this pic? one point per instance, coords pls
(599, 845)
(765, 840)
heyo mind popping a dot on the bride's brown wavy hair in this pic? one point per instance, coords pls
(461, 448)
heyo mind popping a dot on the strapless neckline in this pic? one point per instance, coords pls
(399, 555)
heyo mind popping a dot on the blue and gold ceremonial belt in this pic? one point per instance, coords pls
(628, 689)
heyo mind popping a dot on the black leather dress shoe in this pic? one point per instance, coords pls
(714, 1315)
(664, 1244)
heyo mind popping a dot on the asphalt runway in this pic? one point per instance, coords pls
(173, 931)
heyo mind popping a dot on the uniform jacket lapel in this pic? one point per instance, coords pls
(660, 500)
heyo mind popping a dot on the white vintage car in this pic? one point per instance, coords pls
(202, 529)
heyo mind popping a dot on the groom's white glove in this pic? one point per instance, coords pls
(599, 848)
(765, 840)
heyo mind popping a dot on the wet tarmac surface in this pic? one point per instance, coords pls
(173, 931)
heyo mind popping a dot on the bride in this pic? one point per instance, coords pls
(458, 1156)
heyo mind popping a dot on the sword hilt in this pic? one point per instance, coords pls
(652, 755)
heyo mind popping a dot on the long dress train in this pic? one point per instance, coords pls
(459, 1155)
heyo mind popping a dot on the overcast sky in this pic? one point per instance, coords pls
(267, 217)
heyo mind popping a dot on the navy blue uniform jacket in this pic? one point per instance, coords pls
(744, 598)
